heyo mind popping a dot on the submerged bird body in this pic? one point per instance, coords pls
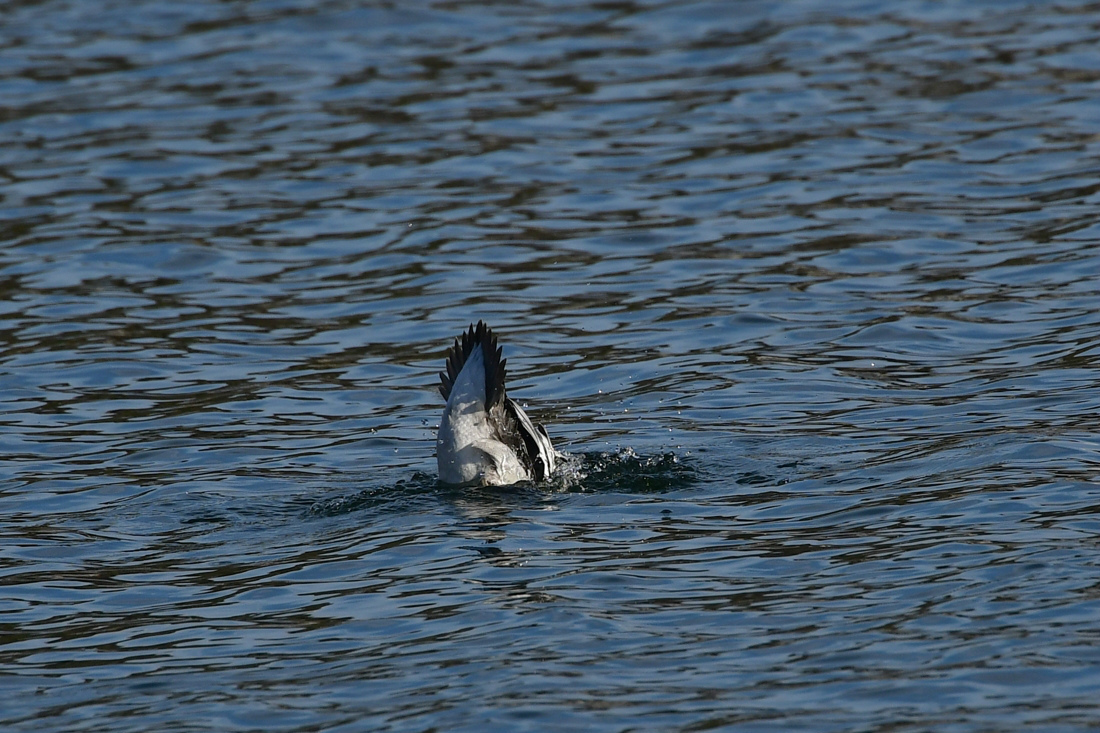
(485, 437)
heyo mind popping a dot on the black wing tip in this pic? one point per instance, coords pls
(476, 335)
(527, 445)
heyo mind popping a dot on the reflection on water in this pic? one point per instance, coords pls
(806, 290)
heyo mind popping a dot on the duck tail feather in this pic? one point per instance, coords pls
(494, 369)
(456, 358)
(495, 372)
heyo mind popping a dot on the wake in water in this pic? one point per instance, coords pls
(622, 470)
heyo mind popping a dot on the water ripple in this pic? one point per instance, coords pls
(805, 291)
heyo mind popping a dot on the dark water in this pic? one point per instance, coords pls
(809, 290)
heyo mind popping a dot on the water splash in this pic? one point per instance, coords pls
(624, 470)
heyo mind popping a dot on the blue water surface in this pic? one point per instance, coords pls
(808, 291)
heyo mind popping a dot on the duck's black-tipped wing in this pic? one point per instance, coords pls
(535, 451)
(483, 336)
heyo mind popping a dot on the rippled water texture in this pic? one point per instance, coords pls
(808, 290)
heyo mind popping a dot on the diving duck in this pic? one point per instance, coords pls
(485, 438)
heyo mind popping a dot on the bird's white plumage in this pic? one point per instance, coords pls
(466, 447)
(481, 442)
